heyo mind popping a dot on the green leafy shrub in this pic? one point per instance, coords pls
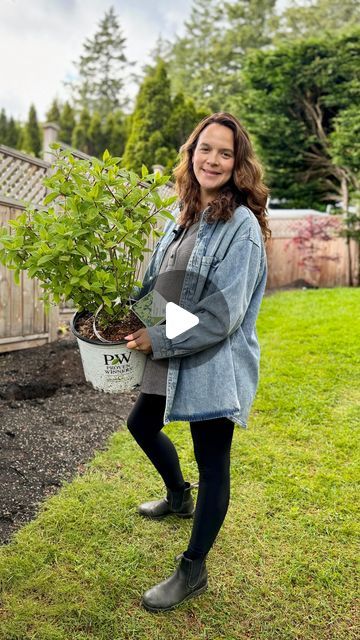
(86, 241)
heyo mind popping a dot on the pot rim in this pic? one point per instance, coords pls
(81, 314)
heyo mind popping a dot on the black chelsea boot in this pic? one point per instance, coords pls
(188, 581)
(179, 503)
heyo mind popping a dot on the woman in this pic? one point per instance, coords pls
(207, 375)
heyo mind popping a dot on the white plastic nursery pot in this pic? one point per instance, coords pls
(109, 367)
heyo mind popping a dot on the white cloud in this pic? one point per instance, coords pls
(40, 39)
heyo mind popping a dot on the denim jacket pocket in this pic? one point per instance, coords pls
(207, 264)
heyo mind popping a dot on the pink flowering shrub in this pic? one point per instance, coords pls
(310, 234)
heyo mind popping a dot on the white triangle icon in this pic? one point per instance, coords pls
(178, 320)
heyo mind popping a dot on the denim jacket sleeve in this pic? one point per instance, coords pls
(220, 312)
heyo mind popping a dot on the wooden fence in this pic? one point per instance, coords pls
(334, 264)
(23, 321)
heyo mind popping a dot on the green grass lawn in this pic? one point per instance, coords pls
(284, 564)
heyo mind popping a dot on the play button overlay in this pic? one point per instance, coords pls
(160, 306)
(178, 320)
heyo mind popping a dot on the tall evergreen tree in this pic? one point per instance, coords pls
(193, 61)
(32, 139)
(9, 130)
(67, 123)
(301, 20)
(183, 118)
(13, 133)
(3, 127)
(151, 114)
(161, 51)
(206, 62)
(96, 135)
(80, 137)
(53, 114)
(102, 69)
(115, 133)
(160, 124)
(248, 25)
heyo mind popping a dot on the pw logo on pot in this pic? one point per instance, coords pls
(116, 359)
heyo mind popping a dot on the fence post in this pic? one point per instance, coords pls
(51, 134)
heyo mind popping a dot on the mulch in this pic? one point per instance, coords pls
(51, 423)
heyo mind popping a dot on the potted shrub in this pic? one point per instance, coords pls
(85, 244)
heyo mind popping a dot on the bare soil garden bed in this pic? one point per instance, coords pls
(51, 422)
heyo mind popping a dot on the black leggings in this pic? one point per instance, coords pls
(212, 443)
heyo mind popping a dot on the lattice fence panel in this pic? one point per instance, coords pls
(21, 176)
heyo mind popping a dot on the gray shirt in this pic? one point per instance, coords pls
(169, 285)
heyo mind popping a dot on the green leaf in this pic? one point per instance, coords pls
(106, 155)
(134, 178)
(157, 200)
(67, 290)
(167, 214)
(144, 171)
(169, 201)
(84, 250)
(45, 259)
(50, 197)
(84, 270)
(157, 233)
(32, 271)
(7, 244)
(94, 192)
(134, 242)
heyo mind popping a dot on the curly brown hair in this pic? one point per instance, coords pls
(245, 186)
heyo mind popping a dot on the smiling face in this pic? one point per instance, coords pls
(213, 160)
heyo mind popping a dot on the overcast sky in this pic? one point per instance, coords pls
(39, 40)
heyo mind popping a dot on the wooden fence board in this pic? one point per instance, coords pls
(40, 320)
(23, 321)
(28, 305)
(5, 287)
(284, 268)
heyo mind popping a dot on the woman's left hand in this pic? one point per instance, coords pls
(140, 341)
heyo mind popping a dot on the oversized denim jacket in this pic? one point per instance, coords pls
(214, 367)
